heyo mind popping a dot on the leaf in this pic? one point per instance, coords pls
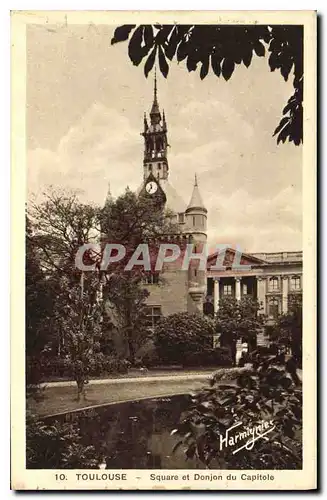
(134, 48)
(228, 68)
(150, 62)
(164, 68)
(122, 33)
(259, 48)
(281, 125)
(171, 45)
(190, 452)
(182, 50)
(273, 61)
(177, 445)
(285, 69)
(204, 68)
(247, 58)
(148, 35)
(192, 63)
(215, 64)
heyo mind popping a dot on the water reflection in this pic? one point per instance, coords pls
(135, 435)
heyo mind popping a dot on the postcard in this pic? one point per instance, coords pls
(163, 295)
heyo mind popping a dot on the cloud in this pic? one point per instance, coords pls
(98, 149)
(257, 224)
(246, 205)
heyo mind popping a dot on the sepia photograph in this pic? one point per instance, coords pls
(165, 265)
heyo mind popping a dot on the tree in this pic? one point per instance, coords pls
(38, 308)
(238, 320)
(131, 220)
(287, 330)
(78, 316)
(223, 47)
(181, 336)
(61, 225)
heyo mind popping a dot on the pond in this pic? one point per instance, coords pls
(135, 435)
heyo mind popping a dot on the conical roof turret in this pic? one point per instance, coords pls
(196, 199)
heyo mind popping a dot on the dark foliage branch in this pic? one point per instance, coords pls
(222, 48)
(268, 391)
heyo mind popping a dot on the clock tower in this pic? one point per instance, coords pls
(155, 142)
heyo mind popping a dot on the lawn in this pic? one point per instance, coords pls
(62, 399)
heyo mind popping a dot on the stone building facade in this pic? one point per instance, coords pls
(272, 278)
(175, 290)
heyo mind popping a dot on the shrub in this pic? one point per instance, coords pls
(150, 359)
(218, 356)
(265, 392)
(58, 445)
(57, 367)
(182, 336)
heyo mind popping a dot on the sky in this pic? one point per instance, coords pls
(85, 106)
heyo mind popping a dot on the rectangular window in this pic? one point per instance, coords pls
(273, 308)
(273, 284)
(227, 290)
(151, 279)
(245, 289)
(181, 219)
(153, 315)
(296, 283)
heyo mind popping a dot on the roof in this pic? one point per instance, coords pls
(174, 201)
(281, 257)
(196, 199)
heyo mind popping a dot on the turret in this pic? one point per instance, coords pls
(196, 227)
(196, 215)
(109, 197)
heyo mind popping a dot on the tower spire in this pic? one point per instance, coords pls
(155, 85)
(155, 140)
(109, 198)
(155, 113)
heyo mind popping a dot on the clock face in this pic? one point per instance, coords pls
(151, 187)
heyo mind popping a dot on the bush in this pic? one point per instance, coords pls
(150, 359)
(266, 391)
(58, 445)
(57, 367)
(180, 338)
(219, 356)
